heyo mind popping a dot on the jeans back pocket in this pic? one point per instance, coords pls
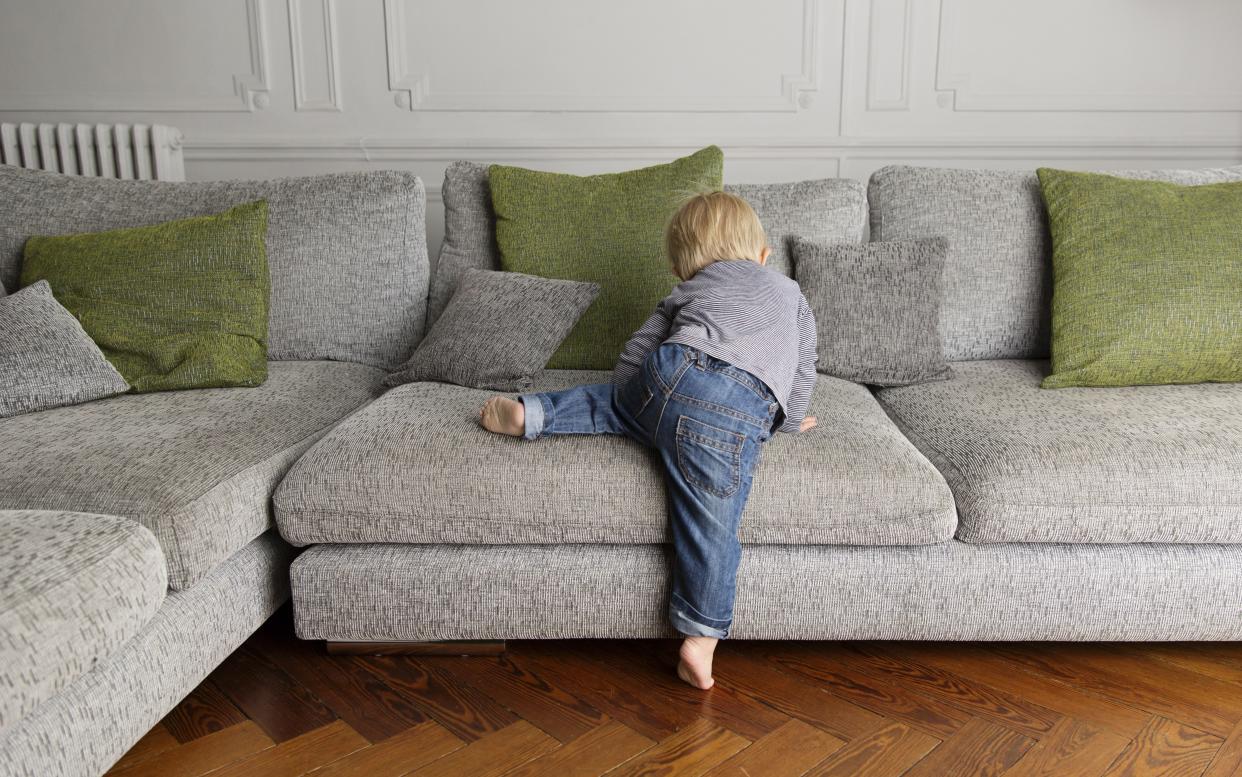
(709, 457)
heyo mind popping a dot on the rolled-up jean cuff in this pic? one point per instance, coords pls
(681, 616)
(534, 415)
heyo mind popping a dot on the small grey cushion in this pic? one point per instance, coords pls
(46, 359)
(997, 278)
(347, 252)
(832, 210)
(498, 330)
(877, 308)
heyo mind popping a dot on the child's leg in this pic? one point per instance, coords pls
(706, 556)
(576, 410)
(709, 438)
(706, 551)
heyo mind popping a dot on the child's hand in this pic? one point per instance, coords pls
(807, 423)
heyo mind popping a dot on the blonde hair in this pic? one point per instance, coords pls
(712, 227)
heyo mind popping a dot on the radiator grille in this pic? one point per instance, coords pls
(128, 151)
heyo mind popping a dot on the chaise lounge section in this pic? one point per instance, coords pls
(145, 551)
(977, 508)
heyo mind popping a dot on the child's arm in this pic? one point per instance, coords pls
(804, 377)
(648, 337)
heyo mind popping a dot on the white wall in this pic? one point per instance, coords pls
(790, 88)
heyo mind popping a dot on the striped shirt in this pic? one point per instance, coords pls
(742, 313)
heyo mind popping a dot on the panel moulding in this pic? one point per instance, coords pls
(251, 91)
(330, 99)
(954, 83)
(889, 28)
(414, 91)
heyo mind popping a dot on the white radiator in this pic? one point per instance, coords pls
(130, 151)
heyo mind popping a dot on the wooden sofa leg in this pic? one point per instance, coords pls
(463, 647)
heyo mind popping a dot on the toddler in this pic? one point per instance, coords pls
(724, 361)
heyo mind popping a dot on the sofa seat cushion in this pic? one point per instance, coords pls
(415, 466)
(74, 587)
(197, 468)
(1079, 465)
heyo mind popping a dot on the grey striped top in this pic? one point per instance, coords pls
(745, 314)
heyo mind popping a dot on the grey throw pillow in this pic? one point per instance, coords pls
(877, 308)
(497, 331)
(46, 358)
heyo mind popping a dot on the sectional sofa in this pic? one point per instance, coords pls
(978, 508)
(140, 544)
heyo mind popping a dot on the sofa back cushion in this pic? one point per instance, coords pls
(827, 210)
(997, 277)
(347, 252)
(469, 232)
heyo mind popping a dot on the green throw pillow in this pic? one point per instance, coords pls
(603, 229)
(1147, 281)
(179, 305)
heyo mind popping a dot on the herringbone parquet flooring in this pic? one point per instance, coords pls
(282, 707)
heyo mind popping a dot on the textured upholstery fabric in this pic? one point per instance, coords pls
(84, 729)
(831, 210)
(877, 308)
(469, 232)
(1147, 279)
(347, 252)
(1149, 464)
(499, 329)
(998, 274)
(46, 359)
(73, 588)
(949, 591)
(178, 305)
(194, 467)
(604, 229)
(415, 466)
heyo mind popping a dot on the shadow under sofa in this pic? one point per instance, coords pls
(148, 516)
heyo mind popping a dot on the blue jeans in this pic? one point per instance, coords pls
(707, 420)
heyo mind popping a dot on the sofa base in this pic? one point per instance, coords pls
(952, 591)
(459, 647)
(90, 724)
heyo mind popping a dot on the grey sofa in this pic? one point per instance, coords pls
(981, 507)
(138, 547)
(138, 544)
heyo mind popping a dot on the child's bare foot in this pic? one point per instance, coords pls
(695, 666)
(503, 416)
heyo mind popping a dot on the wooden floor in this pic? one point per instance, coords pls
(282, 707)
